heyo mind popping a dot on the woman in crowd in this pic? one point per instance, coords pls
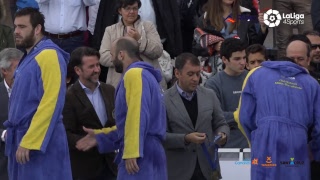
(144, 32)
(227, 19)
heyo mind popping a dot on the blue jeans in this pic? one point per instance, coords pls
(69, 44)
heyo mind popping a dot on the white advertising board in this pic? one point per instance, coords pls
(235, 165)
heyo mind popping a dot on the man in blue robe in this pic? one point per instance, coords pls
(36, 142)
(279, 104)
(140, 118)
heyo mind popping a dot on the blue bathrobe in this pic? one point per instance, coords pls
(141, 124)
(280, 103)
(35, 115)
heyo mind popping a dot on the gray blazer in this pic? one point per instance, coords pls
(182, 158)
(3, 117)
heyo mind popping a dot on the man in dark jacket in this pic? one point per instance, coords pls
(89, 104)
(314, 66)
(315, 12)
(190, 11)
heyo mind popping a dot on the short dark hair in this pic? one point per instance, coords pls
(36, 17)
(183, 58)
(130, 46)
(78, 54)
(125, 3)
(303, 38)
(311, 33)
(255, 48)
(230, 46)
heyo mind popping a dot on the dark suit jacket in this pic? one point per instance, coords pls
(3, 117)
(315, 12)
(78, 112)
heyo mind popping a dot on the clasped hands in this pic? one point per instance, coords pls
(87, 142)
(199, 138)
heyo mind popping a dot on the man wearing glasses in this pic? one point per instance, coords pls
(314, 67)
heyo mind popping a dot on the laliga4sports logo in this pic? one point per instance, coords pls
(273, 18)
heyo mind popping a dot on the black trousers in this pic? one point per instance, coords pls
(106, 174)
(197, 174)
(315, 170)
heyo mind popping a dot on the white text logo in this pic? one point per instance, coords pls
(272, 18)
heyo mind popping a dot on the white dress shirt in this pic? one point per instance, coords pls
(9, 94)
(146, 11)
(3, 139)
(93, 12)
(7, 87)
(64, 16)
(97, 102)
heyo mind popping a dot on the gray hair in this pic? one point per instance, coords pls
(8, 55)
